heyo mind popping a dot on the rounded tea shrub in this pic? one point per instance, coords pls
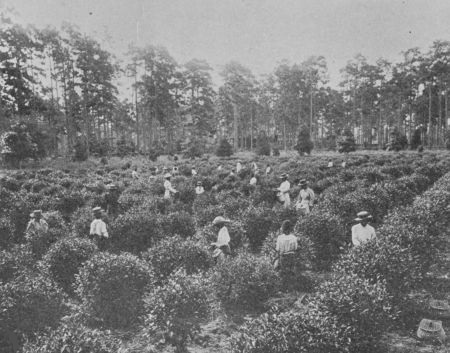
(28, 304)
(72, 338)
(174, 253)
(245, 281)
(177, 308)
(111, 288)
(65, 257)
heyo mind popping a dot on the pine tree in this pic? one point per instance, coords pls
(224, 149)
(346, 142)
(304, 143)
(263, 145)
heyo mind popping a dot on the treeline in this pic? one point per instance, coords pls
(65, 84)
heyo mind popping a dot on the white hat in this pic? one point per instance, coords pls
(219, 220)
(167, 175)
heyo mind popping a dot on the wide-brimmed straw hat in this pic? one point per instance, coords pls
(302, 182)
(284, 176)
(362, 215)
(199, 183)
(167, 175)
(220, 220)
(37, 213)
(97, 209)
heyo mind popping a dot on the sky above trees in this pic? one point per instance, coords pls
(256, 33)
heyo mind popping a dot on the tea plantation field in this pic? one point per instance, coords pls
(153, 285)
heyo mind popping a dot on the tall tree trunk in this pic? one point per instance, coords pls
(235, 126)
(429, 137)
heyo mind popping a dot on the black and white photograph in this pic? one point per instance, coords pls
(224, 176)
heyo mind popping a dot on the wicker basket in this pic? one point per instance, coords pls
(431, 329)
(440, 308)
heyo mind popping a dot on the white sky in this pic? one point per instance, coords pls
(257, 33)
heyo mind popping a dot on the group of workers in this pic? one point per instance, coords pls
(286, 244)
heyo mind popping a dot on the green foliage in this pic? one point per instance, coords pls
(178, 223)
(326, 233)
(15, 261)
(257, 223)
(99, 147)
(398, 141)
(125, 147)
(135, 231)
(224, 149)
(174, 253)
(177, 308)
(64, 259)
(80, 148)
(111, 289)
(28, 304)
(21, 142)
(304, 143)
(195, 148)
(262, 145)
(346, 142)
(245, 281)
(72, 338)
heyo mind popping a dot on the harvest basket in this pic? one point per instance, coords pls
(431, 329)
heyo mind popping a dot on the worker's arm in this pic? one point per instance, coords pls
(104, 231)
(355, 238)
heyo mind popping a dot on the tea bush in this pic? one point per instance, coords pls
(326, 232)
(72, 338)
(245, 281)
(135, 231)
(178, 223)
(257, 223)
(28, 304)
(64, 259)
(177, 308)
(174, 253)
(111, 289)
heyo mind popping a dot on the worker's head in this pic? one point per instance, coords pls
(363, 218)
(199, 183)
(97, 211)
(167, 176)
(37, 214)
(303, 184)
(284, 176)
(286, 227)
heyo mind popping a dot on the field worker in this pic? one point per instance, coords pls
(112, 199)
(193, 172)
(283, 191)
(362, 232)
(286, 247)
(98, 231)
(255, 167)
(37, 225)
(222, 245)
(268, 169)
(330, 164)
(169, 190)
(134, 173)
(199, 188)
(253, 180)
(344, 164)
(238, 166)
(306, 197)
